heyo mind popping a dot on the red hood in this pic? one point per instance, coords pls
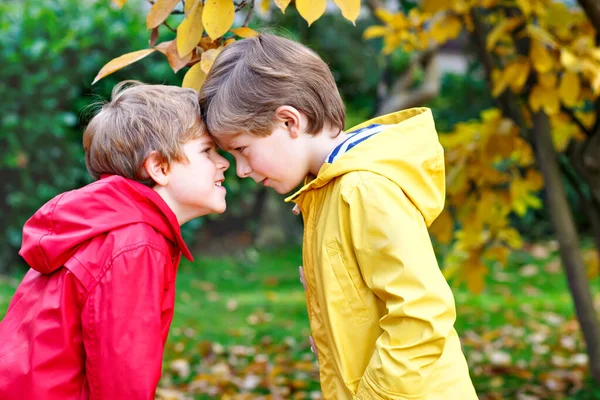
(55, 231)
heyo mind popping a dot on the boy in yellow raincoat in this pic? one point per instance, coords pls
(380, 310)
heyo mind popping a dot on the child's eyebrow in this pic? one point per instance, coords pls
(207, 140)
(227, 146)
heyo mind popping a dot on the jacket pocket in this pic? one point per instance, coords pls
(349, 283)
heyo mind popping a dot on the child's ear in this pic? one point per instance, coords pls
(156, 169)
(290, 118)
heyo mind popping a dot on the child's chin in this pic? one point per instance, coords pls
(220, 209)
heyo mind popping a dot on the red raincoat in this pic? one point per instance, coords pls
(91, 317)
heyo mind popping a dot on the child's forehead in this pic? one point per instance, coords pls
(229, 142)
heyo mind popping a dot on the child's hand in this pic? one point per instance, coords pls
(302, 277)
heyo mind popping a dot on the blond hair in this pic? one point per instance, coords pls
(138, 120)
(251, 78)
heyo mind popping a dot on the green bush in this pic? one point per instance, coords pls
(50, 53)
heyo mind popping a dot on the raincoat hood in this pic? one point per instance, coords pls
(54, 232)
(408, 152)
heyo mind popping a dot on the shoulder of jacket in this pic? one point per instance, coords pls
(351, 180)
(100, 252)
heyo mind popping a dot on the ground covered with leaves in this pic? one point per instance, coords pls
(241, 332)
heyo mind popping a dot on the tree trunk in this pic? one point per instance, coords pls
(278, 225)
(566, 234)
(592, 10)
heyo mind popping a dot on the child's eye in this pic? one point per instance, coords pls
(240, 149)
(208, 149)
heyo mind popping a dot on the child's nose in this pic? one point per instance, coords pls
(222, 163)
(243, 169)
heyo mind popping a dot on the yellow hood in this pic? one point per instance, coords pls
(408, 153)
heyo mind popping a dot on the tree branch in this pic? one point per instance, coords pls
(587, 205)
(507, 101)
(169, 27)
(374, 5)
(240, 6)
(249, 15)
(403, 97)
(592, 10)
(575, 120)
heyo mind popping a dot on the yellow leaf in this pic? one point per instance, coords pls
(504, 27)
(547, 80)
(551, 103)
(163, 47)
(525, 6)
(534, 179)
(208, 58)
(595, 53)
(244, 32)
(536, 98)
(218, 17)
(557, 15)
(498, 253)
(121, 62)
(446, 28)
(350, 9)
(374, 32)
(385, 16)
(511, 237)
(522, 197)
(475, 272)
(547, 99)
(282, 4)
(499, 81)
(207, 43)
(596, 84)
(189, 5)
(438, 31)
(189, 31)
(450, 269)
(120, 3)
(434, 6)
(563, 131)
(175, 61)
(443, 227)
(159, 12)
(453, 26)
(569, 60)
(588, 119)
(516, 74)
(540, 57)
(194, 78)
(311, 10)
(541, 35)
(265, 6)
(570, 88)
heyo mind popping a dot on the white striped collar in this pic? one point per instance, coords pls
(353, 139)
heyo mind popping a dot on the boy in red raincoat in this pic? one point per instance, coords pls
(91, 317)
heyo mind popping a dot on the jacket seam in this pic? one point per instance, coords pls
(51, 230)
(380, 391)
(131, 247)
(363, 180)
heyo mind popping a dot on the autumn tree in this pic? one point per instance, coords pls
(542, 62)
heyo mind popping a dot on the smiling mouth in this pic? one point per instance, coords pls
(219, 183)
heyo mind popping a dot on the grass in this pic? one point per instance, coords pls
(237, 318)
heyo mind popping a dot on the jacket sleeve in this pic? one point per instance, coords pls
(122, 329)
(398, 264)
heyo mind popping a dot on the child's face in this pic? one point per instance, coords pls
(277, 161)
(195, 185)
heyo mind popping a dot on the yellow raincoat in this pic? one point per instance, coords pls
(381, 312)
